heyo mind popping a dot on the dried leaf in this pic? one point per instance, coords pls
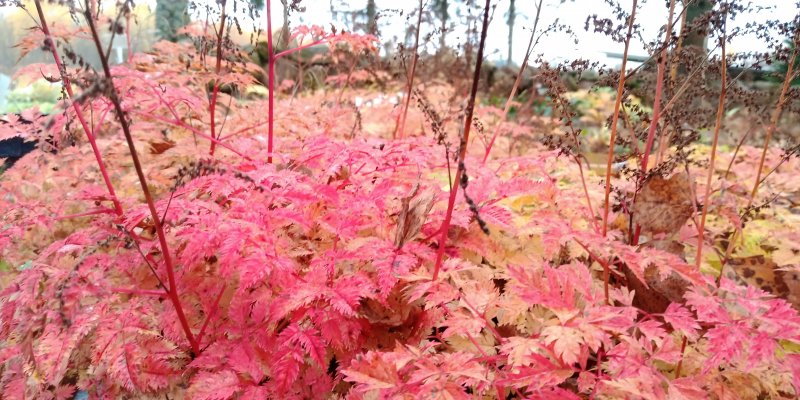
(762, 272)
(664, 205)
(160, 146)
(412, 215)
(659, 291)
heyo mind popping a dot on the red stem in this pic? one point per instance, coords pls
(212, 107)
(513, 93)
(401, 126)
(463, 148)
(712, 161)
(680, 362)
(488, 322)
(606, 267)
(86, 214)
(162, 238)
(141, 292)
(586, 193)
(195, 131)
(299, 48)
(651, 133)
(271, 83)
(347, 80)
(128, 35)
(776, 115)
(271, 76)
(78, 112)
(615, 117)
(211, 314)
(240, 131)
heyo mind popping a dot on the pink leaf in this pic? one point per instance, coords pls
(220, 385)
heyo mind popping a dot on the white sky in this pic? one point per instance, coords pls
(651, 15)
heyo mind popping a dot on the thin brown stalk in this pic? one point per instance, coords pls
(680, 362)
(776, 115)
(659, 90)
(632, 129)
(663, 144)
(270, 83)
(517, 81)
(586, 193)
(712, 161)
(676, 54)
(78, 111)
(692, 195)
(739, 145)
(212, 107)
(128, 35)
(212, 313)
(347, 80)
(401, 125)
(615, 117)
(162, 238)
(651, 134)
(462, 152)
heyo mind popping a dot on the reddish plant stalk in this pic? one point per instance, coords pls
(739, 145)
(773, 123)
(162, 238)
(128, 35)
(462, 152)
(177, 122)
(78, 112)
(212, 106)
(85, 214)
(673, 70)
(211, 314)
(712, 161)
(606, 268)
(663, 142)
(627, 120)
(270, 83)
(680, 362)
(347, 80)
(615, 117)
(651, 133)
(401, 124)
(499, 388)
(273, 58)
(776, 115)
(517, 81)
(139, 292)
(586, 193)
(303, 47)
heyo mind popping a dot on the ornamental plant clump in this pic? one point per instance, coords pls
(172, 238)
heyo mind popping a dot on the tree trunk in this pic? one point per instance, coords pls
(171, 15)
(512, 15)
(284, 42)
(440, 9)
(696, 36)
(372, 23)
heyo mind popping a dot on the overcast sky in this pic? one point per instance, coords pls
(652, 15)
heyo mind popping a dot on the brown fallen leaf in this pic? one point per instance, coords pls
(761, 272)
(412, 215)
(659, 292)
(160, 146)
(664, 205)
